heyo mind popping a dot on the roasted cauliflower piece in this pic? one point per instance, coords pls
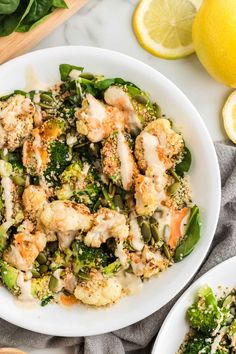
(97, 120)
(66, 218)
(148, 262)
(107, 223)
(148, 195)
(34, 199)
(16, 121)
(26, 246)
(158, 146)
(99, 291)
(118, 162)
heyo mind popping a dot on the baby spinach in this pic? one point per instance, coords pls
(185, 164)
(28, 27)
(7, 7)
(191, 237)
(59, 4)
(65, 70)
(39, 9)
(9, 23)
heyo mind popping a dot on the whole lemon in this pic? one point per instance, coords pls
(214, 38)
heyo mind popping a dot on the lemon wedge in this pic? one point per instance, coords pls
(164, 27)
(229, 117)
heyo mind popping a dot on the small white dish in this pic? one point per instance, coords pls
(205, 180)
(175, 325)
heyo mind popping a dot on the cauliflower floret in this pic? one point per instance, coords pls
(34, 199)
(99, 291)
(148, 262)
(147, 194)
(97, 120)
(25, 248)
(107, 223)
(158, 146)
(118, 161)
(66, 218)
(16, 121)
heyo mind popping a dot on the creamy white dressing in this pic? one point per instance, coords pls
(136, 237)
(164, 218)
(116, 97)
(126, 166)
(33, 82)
(71, 140)
(217, 340)
(60, 284)
(74, 74)
(97, 110)
(25, 289)
(150, 147)
(36, 146)
(120, 253)
(85, 169)
(133, 122)
(8, 199)
(130, 283)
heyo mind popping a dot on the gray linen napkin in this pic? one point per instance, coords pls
(139, 337)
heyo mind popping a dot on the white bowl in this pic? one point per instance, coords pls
(205, 179)
(175, 324)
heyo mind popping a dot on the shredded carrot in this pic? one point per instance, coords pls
(68, 300)
(175, 227)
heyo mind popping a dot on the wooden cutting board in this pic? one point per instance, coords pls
(19, 43)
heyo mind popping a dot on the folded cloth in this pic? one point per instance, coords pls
(138, 338)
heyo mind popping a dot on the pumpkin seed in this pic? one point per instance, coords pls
(111, 189)
(166, 251)
(52, 246)
(20, 181)
(43, 268)
(140, 220)
(53, 284)
(87, 76)
(44, 97)
(173, 188)
(41, 258)
(152, 220)
(141, 99)
(35, 273)
(46, 105)
(153, 241)
(155, 233)
(117, 200)
(146, 231)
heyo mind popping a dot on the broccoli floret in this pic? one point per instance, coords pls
(87, 257)
(112, 268)
(59, 160)
(18, 173)
(200, 344)
(39, 287)
(9, 277)
(232, 333)
(80, 181)
(204, 314)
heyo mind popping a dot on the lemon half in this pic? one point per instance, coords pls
(229, 117)
(164, 27)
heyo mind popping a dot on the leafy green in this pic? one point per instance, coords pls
(7, 7)
(39, 9)
(46, 300)
(9, 23)
(59, 4)
(28, 27)
(65, 70)
(191, 237)
(185, 164)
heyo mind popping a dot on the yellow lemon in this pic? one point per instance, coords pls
(214, 38)
(164, 27)
(229, 117)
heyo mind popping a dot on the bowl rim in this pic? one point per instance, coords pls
(142, 313)
(186, 293)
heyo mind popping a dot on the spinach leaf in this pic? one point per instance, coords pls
(8, 23)
(104, 84)
(39, 9)
(191, 237)
(65, 70)
(28, 27)
(185, 164)
(7, 7)
(59, 3)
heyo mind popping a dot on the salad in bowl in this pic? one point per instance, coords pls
(95, 195)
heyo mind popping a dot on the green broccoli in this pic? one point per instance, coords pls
(232, 333)
(112, 268)
(18, 173)
(9, 277)
(39, 287)
(204, 314)
(200, 344)
(59, 160)
(80, 181)
(87, 257)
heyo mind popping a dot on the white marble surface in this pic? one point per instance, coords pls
(107, 23)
